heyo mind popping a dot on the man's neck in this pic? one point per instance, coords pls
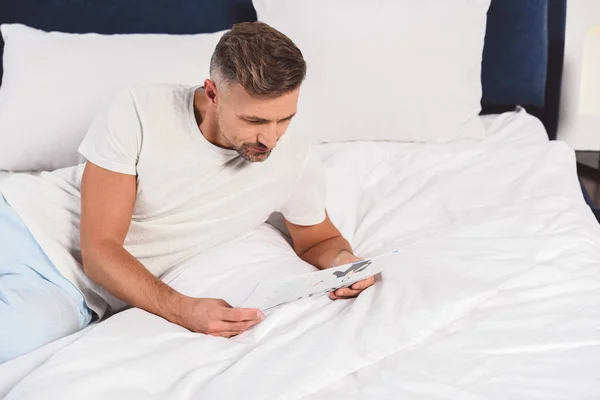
(207, 121)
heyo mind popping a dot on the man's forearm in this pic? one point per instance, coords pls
(115, 269)
(323, 254)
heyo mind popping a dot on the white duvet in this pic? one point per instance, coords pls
(497, 295)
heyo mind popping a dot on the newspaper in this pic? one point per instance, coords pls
(275, 292)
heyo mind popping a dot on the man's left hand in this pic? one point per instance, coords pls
(346, 257)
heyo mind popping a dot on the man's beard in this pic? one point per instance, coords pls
(247, 150)
(248, 153)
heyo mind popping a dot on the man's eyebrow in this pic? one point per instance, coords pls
(288, 117)
(262, 120)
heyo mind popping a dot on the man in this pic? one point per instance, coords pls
(170, 171)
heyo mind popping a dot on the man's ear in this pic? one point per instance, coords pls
(210, 90)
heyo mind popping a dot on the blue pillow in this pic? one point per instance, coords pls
(516, 53)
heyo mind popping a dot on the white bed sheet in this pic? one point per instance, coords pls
(497, 297)
(4, 174)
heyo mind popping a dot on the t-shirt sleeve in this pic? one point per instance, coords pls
(113, 140)
(306, 204)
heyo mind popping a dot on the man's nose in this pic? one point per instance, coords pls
(269, 136)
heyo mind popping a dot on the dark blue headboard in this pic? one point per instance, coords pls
(522, 61)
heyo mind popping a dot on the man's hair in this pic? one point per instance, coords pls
(260, 58)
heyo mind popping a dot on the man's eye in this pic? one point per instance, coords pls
(254, 122)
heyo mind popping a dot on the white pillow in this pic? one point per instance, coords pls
(402, 70)
(54, 83)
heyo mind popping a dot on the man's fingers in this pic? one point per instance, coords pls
(347, 292)
(239, 314)
(216, 327)
(365, 283)
(223, 303)
(238, 327)
(344, 294)
(353, 290)
(224, 334)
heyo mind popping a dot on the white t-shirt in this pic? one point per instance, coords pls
(191, 194)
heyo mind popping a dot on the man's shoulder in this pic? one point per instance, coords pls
(294, 149)
(152, 100)
(156, 91)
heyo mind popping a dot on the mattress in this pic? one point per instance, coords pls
(496, 296)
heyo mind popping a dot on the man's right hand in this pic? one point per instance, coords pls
(215, 317)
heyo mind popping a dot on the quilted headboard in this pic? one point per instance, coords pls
(522, 61)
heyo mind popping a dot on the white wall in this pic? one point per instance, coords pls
(580, 131)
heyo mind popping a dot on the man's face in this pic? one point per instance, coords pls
(253, 125)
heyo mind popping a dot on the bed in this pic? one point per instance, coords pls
(497, 296)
